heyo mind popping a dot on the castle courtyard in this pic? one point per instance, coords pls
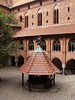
(11, 89)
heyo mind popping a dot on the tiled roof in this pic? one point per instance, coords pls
(20, 2)
(50, 30)
(3, 2)
(38, 64)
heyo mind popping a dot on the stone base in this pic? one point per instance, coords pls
(54, 89)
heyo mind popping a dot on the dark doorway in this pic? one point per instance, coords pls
(13, 61)
(57, 62)
(70, 65)
(20, 61)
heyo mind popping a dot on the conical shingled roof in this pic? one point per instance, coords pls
(38, 64)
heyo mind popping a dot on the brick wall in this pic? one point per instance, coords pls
(47, 6)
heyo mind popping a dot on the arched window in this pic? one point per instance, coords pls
(31, 45)
(56, 45)
(26, 20)
(72, 45)
(20, 18)
(39, 17)
(56, 14)
(43, 45)
(21, 44)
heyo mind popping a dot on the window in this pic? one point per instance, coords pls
(46, 21)
(68, 9)
(56, 14)
(26, 20)
(31, 45)
(18, 9)
(20, 18)
(55, 0)
(47, 14)
(32, 16)
(32, 23)
(56, 45)
(41, 3)
(72, 45)
(28, 6)
(43, 45)
(68, 18)
(39, 17)
(21, 44)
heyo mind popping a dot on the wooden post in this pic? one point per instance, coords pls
(29, 84)
(54, 80)
(22, 79)
(47, 82)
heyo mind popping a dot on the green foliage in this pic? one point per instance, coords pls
(7, 46)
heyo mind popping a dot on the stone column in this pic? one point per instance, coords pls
(48, 45)
(16, 60)
(63, 69)
(63, 55)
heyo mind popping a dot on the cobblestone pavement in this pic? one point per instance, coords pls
(11, 89)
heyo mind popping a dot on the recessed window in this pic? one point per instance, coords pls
(72, 45)
(47, 13)
(20, 18)
(56, 45)
(68, 18)
(26, 21)
(32, 16)
(28, 6)
(32, 23)
(21, 44)
(31, 45)
(68, 9)
(55, 0)
(43, 45)
(56, 16)
(18, 9)
(39, 19)
(41, 3)
(46, 21)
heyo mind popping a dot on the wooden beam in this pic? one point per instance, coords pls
(54, 80)
(22, 79)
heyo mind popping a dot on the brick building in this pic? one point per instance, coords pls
(53, 20)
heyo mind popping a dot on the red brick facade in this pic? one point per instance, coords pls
(64, 58)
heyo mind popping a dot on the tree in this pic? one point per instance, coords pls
(7, 44)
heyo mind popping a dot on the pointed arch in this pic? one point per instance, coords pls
(43, 45)
(56, 14)
(21, 44)
(26, 20)
(31, 45)
(72, 45)
(56, 45)
(20, 18)
(39, 17)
